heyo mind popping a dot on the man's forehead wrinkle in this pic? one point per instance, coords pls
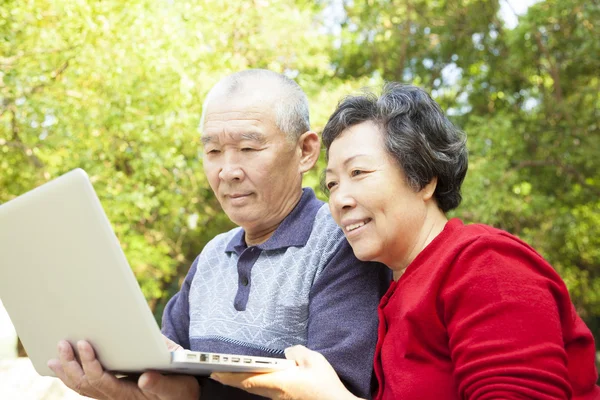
(227, 125)
(237, 119)
(247, 115)
(258, 113)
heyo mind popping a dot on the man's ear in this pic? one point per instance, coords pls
(309, 147)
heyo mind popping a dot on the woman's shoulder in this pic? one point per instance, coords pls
(481, 235)
(485, 251)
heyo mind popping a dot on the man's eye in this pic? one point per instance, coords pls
(247, 149)
(213, 151)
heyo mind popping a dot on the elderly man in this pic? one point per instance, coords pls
(286, 276)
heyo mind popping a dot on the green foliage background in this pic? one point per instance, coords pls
(116, 88)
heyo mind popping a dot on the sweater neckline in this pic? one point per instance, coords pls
(431, 249)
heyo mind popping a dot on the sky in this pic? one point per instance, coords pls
(509, 12)
(508, 9)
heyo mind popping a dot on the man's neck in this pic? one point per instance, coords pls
(254, 237)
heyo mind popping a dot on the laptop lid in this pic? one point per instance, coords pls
(63, 275)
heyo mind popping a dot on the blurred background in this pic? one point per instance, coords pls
(116, 88)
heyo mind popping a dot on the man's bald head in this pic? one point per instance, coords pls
(288, 101)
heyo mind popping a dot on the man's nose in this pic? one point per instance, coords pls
(231, 170)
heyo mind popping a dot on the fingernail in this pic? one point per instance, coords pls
(62, 347)
(215, 377)
(143, 382)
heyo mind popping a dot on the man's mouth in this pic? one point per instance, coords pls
(238, 195)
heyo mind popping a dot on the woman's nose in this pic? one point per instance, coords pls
(342, 199)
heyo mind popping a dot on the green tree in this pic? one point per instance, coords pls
(116, 88)
(528, 99)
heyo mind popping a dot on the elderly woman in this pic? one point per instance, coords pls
(473, 312)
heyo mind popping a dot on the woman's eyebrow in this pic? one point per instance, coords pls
(347, 161)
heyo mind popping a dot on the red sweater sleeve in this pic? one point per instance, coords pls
(505, 310)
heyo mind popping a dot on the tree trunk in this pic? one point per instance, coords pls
(20, 349)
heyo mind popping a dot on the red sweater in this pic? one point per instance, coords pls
(480, 315)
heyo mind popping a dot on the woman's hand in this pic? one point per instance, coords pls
(311, 378)
(171, 345)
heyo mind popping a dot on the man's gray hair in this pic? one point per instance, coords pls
(416, 133)
(290, 102)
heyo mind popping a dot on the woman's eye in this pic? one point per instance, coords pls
(213, 151)
(247, 149)
(330, 185)
(356, 172)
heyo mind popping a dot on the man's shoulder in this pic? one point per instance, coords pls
(324, 222)
(325, 230)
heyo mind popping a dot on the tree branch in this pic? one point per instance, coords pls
(9, 61)
(8, 101)
(566, 169)
(553, 69)
(54, 75)
(18, 143)
(404, 49)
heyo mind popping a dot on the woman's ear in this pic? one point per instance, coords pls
(309, 146)
(429, 189)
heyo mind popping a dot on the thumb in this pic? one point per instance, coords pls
(169, 387)
(171, 345)
(304, 357)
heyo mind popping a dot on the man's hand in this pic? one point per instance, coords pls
(312, 379)
(90, 379)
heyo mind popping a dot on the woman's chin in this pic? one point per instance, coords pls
(365, 254)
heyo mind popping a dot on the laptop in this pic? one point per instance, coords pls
(63, 275)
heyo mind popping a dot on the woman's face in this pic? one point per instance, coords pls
(383, 218)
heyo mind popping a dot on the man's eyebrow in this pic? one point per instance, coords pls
(347, 161)
(252, 136)
(207, 139)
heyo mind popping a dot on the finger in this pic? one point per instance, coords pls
(171, 345)
(90, 364)
(169, 387)
(72, 372)
(304, 357)
(232, 378)
(97, 378)
(264, 384)
(56, 367)
(272, 385)
(72, 369)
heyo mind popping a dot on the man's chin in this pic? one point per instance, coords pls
(244, 219)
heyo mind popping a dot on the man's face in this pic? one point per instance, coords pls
(251, 166)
